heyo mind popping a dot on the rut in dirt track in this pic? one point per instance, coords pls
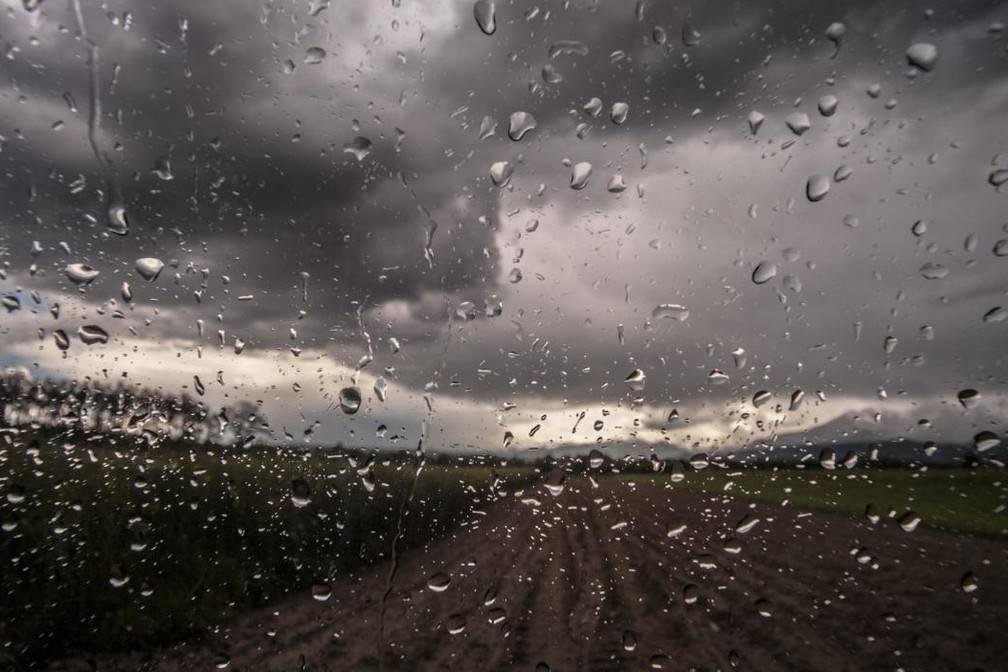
(591, 580)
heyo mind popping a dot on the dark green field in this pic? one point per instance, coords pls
(973, 501)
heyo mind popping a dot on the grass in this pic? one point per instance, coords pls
(971, 501)
(200, 535)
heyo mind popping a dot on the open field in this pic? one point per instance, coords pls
(973, 501)
(191, 557)
(107, 550)
(634, 575)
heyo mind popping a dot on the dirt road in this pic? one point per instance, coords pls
(592, 580)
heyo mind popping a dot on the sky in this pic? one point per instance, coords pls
(317, 179)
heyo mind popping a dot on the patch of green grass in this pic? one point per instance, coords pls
(973, 501)
(199, 534)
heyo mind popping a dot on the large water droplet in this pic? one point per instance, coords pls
(500, 173)
(149, 268)
(618, 113)
(817, 187)
(91, 334)
(350, 400)
(923, 55)
(80, 274)
(986, 440)
(486, 16)
(755, 121)
(764, 272)
(828, 105)
(798, 122)
(314, 55)
(580, 174)
(690, 35)
(969, 398)
(360, 147)
(520, 124)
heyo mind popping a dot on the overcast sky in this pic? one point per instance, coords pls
(235, 102)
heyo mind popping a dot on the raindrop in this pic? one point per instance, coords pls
(828, 105)
(314, 55)
(755, 121)
(817, 187)
(11, 303)
(520, 125)
(761, 398)
(986, 440)
(909, 521)
(580, 174)
(596, 458)
(349, 400)
(934, 271)
(593, 107)
(968, 583)
(798, 122)
(90, 334)
(439, 582)
(360, 147)
(998, 177)
(923, 55)
(764, 272)
(500, 173)
(672, 311)
(995, 314)
(690, 35)
(969, 398)
(300, 493)
(485, 14)
(61, 339)
(635, 380)
(565, 47)
(381, 388)
(618, 113)
(321, 592)
(149, 268)
(616, 184)
(81, 274)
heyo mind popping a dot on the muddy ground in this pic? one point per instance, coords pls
(592, 580)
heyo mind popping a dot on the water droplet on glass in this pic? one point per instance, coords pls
(618, 113)
(761, 398)
(593, 107)
(998, 177)
(321, 592)
(300, 493)
(969, 398)
(635, 380)
(80, 274)
(439, 582)
(923, 55)
(828, 105)
(671, 311)
(764, 272)
(580, 174)
(91, 334)
(500, 173)
(486, 16)
(934, 271)
(909, 521)
(817, 187)
(149, 268)
(755, 121)
(690, 35)
(349, 400)
(986, 440)
(520, 124)
(798, 122)
(616, 184)
(360, 147)
(314, 55)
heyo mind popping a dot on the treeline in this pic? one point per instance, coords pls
(95, 407)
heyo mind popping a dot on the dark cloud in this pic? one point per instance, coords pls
(263, 191)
